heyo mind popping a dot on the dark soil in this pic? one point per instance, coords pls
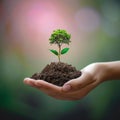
(57, 73)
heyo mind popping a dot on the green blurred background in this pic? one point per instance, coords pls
(25, 27)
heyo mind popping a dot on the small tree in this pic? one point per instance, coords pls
(59, 37)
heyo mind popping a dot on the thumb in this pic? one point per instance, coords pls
(78, 83)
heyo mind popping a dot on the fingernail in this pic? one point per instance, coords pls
(66, 88)
(26, 79)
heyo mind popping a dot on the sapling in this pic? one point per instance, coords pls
(58, 73)
(59, 37)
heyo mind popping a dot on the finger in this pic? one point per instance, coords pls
(77, 95)
(76, 84)
(48, 88)
(53, 90)
(45, 87)
(30, 82)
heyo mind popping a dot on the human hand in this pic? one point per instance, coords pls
(75, 89)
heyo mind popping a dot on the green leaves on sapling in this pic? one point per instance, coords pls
(65, 50)
(54, 52)
(59, 37)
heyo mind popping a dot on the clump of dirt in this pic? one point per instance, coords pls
(57, 73)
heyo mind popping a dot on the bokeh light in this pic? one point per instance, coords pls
(88, 20)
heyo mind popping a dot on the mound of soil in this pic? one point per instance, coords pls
(57, 73)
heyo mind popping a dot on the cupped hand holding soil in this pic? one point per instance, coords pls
(74, 89)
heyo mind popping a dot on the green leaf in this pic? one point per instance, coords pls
(60, 36)
(65, 50)
(54, 52)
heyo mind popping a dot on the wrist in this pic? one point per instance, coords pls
(113, 70)
(104, 70)
(109, 70)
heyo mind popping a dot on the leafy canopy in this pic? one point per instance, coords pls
(59, 37)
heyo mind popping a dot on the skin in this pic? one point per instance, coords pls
(75, 89)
